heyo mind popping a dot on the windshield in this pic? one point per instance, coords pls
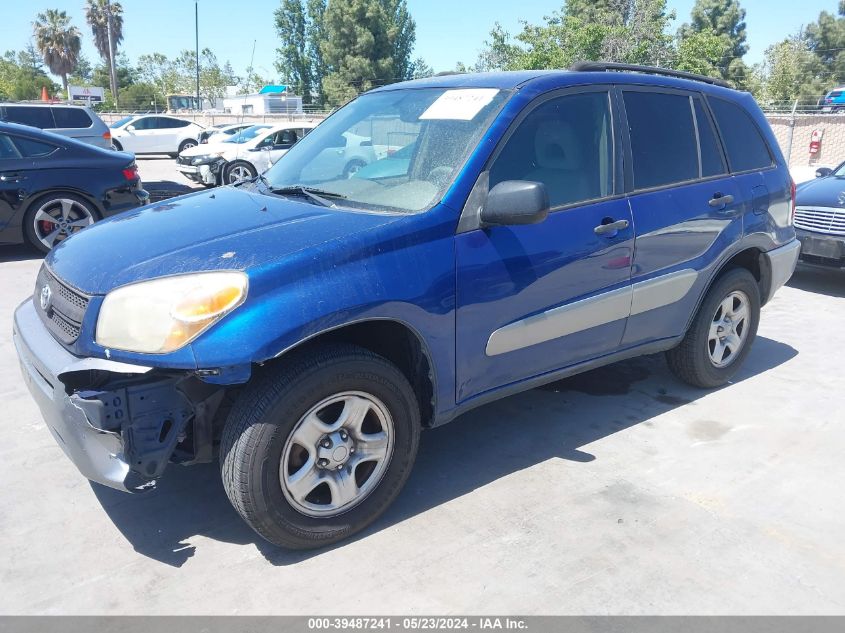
(247, 134)
(121, 122)
(353, 153)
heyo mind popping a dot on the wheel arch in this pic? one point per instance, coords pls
(37, 197)
(396, 341)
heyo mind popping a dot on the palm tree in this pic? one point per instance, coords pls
(98, 13)
(58, 42)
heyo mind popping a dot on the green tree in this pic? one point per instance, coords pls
(22, 76)
(420, 69)
(84, 72)
(213, 78)
(366, 43)
(142, 96)
(826, 39)
(315, 32)
(791, 72)
(58, 42)
(293, 61)
(700, 52)
(124, 73)
(725, 18)
(100, 15)
(158, 70)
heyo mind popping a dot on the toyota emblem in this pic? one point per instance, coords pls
(46, 295)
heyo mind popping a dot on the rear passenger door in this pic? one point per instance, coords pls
(75, 122)
(686, 208)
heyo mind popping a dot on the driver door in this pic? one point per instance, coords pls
(535, 298)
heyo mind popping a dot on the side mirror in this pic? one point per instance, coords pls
(823, 172)
(130, 128)
(516, 202)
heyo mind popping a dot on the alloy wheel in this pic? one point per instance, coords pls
(59, 218)
(728, 329)
(336, 454)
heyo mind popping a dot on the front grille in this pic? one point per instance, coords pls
(820, 220)
(61, 308)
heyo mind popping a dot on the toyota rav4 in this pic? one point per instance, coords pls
(306, 326)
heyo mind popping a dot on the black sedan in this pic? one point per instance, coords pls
(820, 218)
(52, 186)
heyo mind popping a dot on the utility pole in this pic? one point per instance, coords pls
(112, 73)
(197, 34)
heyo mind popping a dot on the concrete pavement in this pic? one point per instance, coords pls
(618, 491)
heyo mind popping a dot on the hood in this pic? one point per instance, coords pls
(206, 148)
(231, 228)
(821, 192)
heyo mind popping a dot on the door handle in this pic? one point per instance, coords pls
(718, 201)
(610, 227)
(11, 178)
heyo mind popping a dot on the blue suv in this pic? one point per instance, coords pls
(307, 325)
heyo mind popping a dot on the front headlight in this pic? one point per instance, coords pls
(164, 314)
(205, 158)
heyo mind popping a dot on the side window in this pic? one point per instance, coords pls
(663, 144)
(565, 143)
(7, 148)
(71, 118)
(287, 137)
(267, 141)
(147, 123)
(168, 123)
(30, 148)
(35, 116)
(712, 163)
(745, 146)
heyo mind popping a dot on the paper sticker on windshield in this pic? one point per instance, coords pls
(459, 105)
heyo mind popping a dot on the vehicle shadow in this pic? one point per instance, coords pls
(830, 282)
(19, 253)
(480, 447)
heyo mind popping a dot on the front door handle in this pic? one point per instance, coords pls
(718, 201)
(11, 177)
(611, 227)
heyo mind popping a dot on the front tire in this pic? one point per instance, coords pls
(721, 335)
(317, 448)
(238, 171)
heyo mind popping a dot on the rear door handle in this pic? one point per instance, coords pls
(611, 227)
(718, 201)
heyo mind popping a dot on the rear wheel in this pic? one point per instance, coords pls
(316, 449)
(721, 334)
(238, 171)
(55, 217)
(353, 167)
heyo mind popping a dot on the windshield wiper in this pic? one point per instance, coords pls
(317, 195)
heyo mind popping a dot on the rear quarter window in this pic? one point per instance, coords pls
(744, 144)
(35, 116)
(71, 118)
(30, 148)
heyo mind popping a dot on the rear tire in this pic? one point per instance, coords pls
(116, 145)
(721, 333)
(186, 144)
(317, 447)
(54, 217)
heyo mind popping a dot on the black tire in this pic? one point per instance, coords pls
(352, 167)
(116, 145)
(49, 199)
(267, 412)
(691, 361)
(188, 142)
(241, 164)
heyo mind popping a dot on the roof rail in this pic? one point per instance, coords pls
(650, 70)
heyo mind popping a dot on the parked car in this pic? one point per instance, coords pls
(52, 186)
(243, 156)
(74, 121)
(834, 101)
(820, 218)
(344, 156)
(548, 223)
(392, 165)
(154, 134)
(221, 132)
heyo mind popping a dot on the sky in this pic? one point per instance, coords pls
(448, 31)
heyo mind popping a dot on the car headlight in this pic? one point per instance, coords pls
(162, 315)
(205, 158)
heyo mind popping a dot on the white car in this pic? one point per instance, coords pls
(343, 159)
(242, 156)
(221, 131)
(154, 134)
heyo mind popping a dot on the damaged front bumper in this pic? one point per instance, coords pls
(120, 424)
(204, 174)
